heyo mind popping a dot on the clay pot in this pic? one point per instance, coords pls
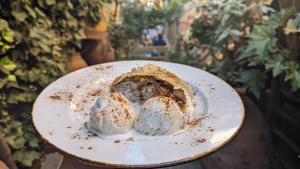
(97, 48)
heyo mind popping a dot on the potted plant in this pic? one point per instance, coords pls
(274, 45)
(221, 34)
(255, 48)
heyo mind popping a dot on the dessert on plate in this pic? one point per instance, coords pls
(153, 98)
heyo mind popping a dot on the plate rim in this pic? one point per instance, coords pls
(158, 165)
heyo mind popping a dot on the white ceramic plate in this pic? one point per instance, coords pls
(61, 111)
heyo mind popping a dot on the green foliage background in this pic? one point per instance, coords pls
(248, 42)
(274, 45)
(36, 38)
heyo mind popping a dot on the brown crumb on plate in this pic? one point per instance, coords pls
(194, 122)
(199, 141)
(96, 92)
(55, 97)
(130, 139)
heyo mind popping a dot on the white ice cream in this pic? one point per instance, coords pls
(159, 116)
(112, 114)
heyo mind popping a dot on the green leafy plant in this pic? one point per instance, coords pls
(6, 37)
(249, 42)
(275, 46)
(222, 29)
(36, 37)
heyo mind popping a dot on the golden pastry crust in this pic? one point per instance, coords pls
(159, 74)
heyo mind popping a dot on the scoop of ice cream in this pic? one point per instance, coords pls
(159, 116)
(112, 114)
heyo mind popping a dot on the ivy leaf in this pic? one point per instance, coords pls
(50, 2)
(293, 25)
(296, 83)
(225, 18)
(294, 77)
(21, 74)
(3, 70)
(244, 55)
(278, 68)
(32, 140)
(18, 37)
(223, 35)
(3, 25)
(291, 68)
(70, 5)
(16, 97)
(19, 15)
(26, 157)
(253, 81)
(40, 33)
(260, 46)
(39, 12)
(41, 3)
(15, 135)
(12, 78)
(262, 39)
(30, 11)
(16, 141)
(8, 36)
(281, 17)
(34, 75)
(7, 63)
(277, 65)
(79, 35)
(2, 82)
(45, 47)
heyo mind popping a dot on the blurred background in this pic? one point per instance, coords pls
(254, 45)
